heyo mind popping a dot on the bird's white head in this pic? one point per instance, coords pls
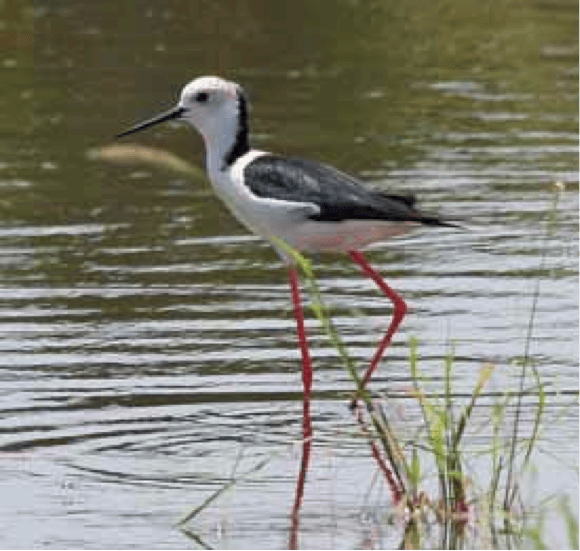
(217, 109)
(207, 103)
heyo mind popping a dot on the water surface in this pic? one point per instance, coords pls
(147, 340)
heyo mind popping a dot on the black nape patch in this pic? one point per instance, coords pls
(242, 143)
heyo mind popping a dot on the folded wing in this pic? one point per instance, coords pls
(337, 195)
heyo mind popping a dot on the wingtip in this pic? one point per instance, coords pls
(430, 220)
(458, 225)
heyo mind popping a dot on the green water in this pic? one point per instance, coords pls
(146, 338)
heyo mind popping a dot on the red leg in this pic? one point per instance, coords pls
(306, 422)
(398, 314)
(306, 363)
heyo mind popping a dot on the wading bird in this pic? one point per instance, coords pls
(309, 205)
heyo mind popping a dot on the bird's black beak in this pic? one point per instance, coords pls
(174, 113)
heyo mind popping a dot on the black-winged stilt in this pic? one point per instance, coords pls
(311, 206)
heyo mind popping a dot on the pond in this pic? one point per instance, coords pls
(148, 344)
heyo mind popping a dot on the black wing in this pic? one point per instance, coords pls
(338, 195)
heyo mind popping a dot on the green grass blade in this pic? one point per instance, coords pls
(194, 512)
(414, 472)
(571, 523)
(197, 510)
(511, 487)
(484, 376)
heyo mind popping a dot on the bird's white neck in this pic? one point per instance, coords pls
(228, 137)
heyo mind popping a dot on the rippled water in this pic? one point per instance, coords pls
(147, 342)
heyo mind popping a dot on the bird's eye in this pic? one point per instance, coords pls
(201, 97)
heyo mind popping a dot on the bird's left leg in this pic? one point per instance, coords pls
(400, 308)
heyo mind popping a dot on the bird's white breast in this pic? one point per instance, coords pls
(264, 216)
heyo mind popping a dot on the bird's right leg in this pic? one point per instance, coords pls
(307, 385)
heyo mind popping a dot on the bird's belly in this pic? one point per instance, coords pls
(315, 236)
